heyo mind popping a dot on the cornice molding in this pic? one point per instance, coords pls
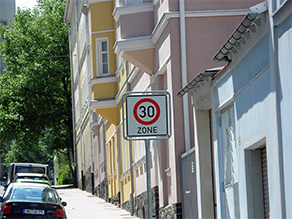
(102, 80)
(103, 31)
(217, 13)
(135, 43)
(102, 104)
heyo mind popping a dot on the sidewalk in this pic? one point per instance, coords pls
(84, 205)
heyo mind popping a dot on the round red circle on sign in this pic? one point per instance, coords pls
(150, 122)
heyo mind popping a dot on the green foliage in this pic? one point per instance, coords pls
(64, 176)
(35, 94)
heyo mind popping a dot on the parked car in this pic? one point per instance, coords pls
(33, 176)
(15, 168)
(33, 181)
(31, 200)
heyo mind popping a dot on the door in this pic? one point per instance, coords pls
(189, 185)
(230, 165)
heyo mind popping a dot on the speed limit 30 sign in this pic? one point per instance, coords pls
(147, 115)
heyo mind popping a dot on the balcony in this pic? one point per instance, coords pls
(134, 25)
(104, 91)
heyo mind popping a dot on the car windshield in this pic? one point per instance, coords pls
(37, 194)
(27, 169)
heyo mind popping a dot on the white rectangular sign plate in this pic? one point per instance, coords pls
(147, 115)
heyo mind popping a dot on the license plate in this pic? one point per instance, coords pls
(34, 211)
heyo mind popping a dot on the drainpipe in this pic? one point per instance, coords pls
(276, 121)
(184, 75)
(73, 111)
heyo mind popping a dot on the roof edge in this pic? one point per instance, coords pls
(246, 23)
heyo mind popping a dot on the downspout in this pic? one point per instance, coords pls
(276, 120)
(184, 75)
(73, 111)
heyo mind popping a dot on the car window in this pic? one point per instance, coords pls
(34, 194)
(26, 169)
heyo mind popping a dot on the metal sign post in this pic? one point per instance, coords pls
(147, 117)
(149, 193)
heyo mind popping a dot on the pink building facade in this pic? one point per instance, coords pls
(169, 42)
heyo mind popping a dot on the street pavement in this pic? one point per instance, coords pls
(84, 205)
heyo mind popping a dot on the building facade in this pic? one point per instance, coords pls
(7, 9)
(247, 104)
(145, 45)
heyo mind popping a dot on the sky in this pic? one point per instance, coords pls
(25, 3)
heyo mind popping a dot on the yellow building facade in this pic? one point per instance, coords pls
(99, 80)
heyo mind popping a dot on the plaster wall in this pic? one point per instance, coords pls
(219, 5)
(79, 160)
(98, 150)
(246, 69)
(177, 142)
(86, 144)
(162, 48)
(101, 11)
(205, 36)
(212, 5)
(159, 10)
(284, 41)
(135, 25)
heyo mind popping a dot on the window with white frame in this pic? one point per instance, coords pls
(102, 56)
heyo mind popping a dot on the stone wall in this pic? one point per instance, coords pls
(141, 205)
(116, 200)
(173, 211)
(101, 190)
(87, 181)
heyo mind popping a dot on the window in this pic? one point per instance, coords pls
(3, 23)
(102, 57)
(230, 164)
(2, 64)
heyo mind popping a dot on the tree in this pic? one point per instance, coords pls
(35, 94)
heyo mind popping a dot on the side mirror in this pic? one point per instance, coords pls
(64, 203)
(1, 199)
